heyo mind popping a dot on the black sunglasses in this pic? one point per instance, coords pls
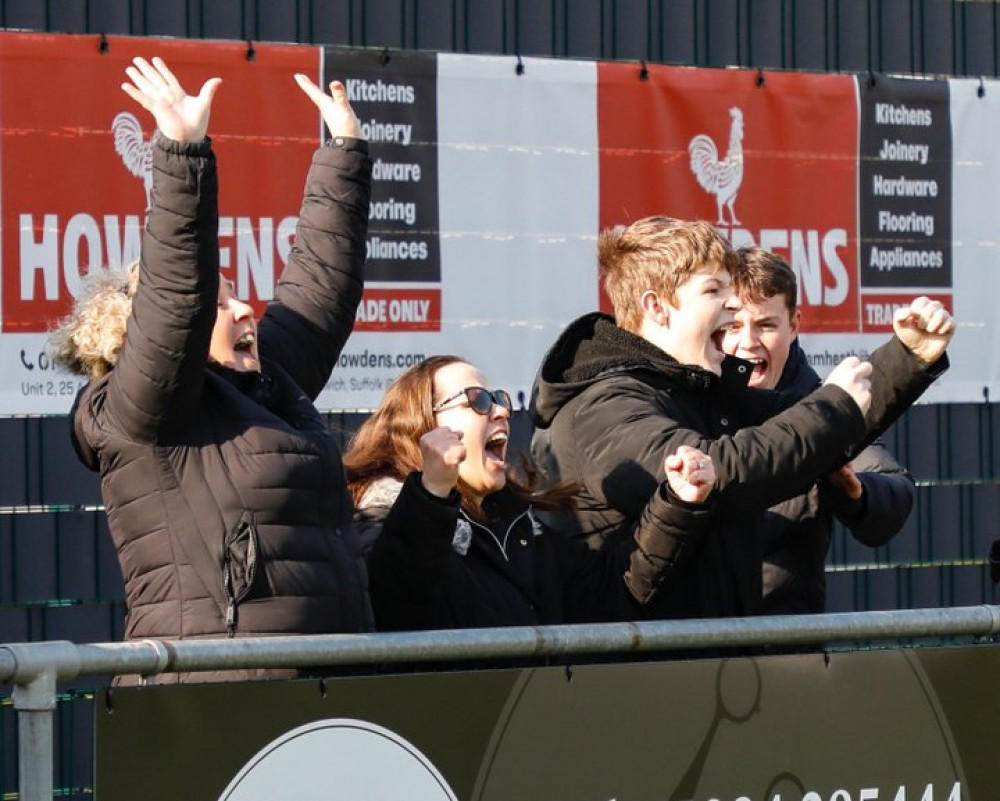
(480, 399)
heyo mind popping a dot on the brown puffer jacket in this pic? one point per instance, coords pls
(225, 492)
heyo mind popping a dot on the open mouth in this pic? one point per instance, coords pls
(717, 337)
(246, 343)
(496, 446)
(759, 369)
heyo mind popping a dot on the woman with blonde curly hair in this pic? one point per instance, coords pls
(225, 492)
(87, 342)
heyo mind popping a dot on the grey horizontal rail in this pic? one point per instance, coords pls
(22, 663)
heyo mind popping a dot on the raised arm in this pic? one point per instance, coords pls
(617, 582)
(408, 562)
(756, 467)
(312, 315)
(672, 523)
(908, 363)
(159, 374)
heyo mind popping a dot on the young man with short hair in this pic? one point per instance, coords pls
(614, 395)
(872, 496)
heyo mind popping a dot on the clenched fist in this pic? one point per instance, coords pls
(690, 474)
(442, 452)
(854, 377)
(925, 328)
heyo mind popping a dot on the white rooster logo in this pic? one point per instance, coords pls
(721, 178)
(135, 150)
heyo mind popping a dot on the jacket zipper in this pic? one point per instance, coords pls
(227, 577)
(501, 545)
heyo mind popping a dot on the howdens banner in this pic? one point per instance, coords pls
(892, 725)
(490, 187)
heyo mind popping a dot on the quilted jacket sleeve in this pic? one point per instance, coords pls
(616, 583)
(158, 379)
(306, 325)
(666, 538)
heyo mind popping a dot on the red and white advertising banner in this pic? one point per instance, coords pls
(975, 355)
(490, 188)
(486, 212)
(75, 184)
(773, 165)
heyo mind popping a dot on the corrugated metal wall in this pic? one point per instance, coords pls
(905, 36)
(59, 578)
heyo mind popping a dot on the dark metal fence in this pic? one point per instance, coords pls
(943, 37)
(59, 576)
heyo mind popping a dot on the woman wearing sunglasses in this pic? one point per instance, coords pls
(453, 540)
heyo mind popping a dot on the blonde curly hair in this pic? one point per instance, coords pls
(88, 341)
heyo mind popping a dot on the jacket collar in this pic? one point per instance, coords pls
(797, 373)
(260, 387)
(594, 347)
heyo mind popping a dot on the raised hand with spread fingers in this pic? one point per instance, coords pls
(337, 113)
(179, 116)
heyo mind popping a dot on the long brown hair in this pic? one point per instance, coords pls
(388, 443)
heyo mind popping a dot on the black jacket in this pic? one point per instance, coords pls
(609, 407)
(796, 532)
(434, 567)
(225, 492)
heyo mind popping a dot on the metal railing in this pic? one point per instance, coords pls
(35, 668)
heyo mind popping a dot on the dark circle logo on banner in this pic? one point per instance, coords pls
(339, 759)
